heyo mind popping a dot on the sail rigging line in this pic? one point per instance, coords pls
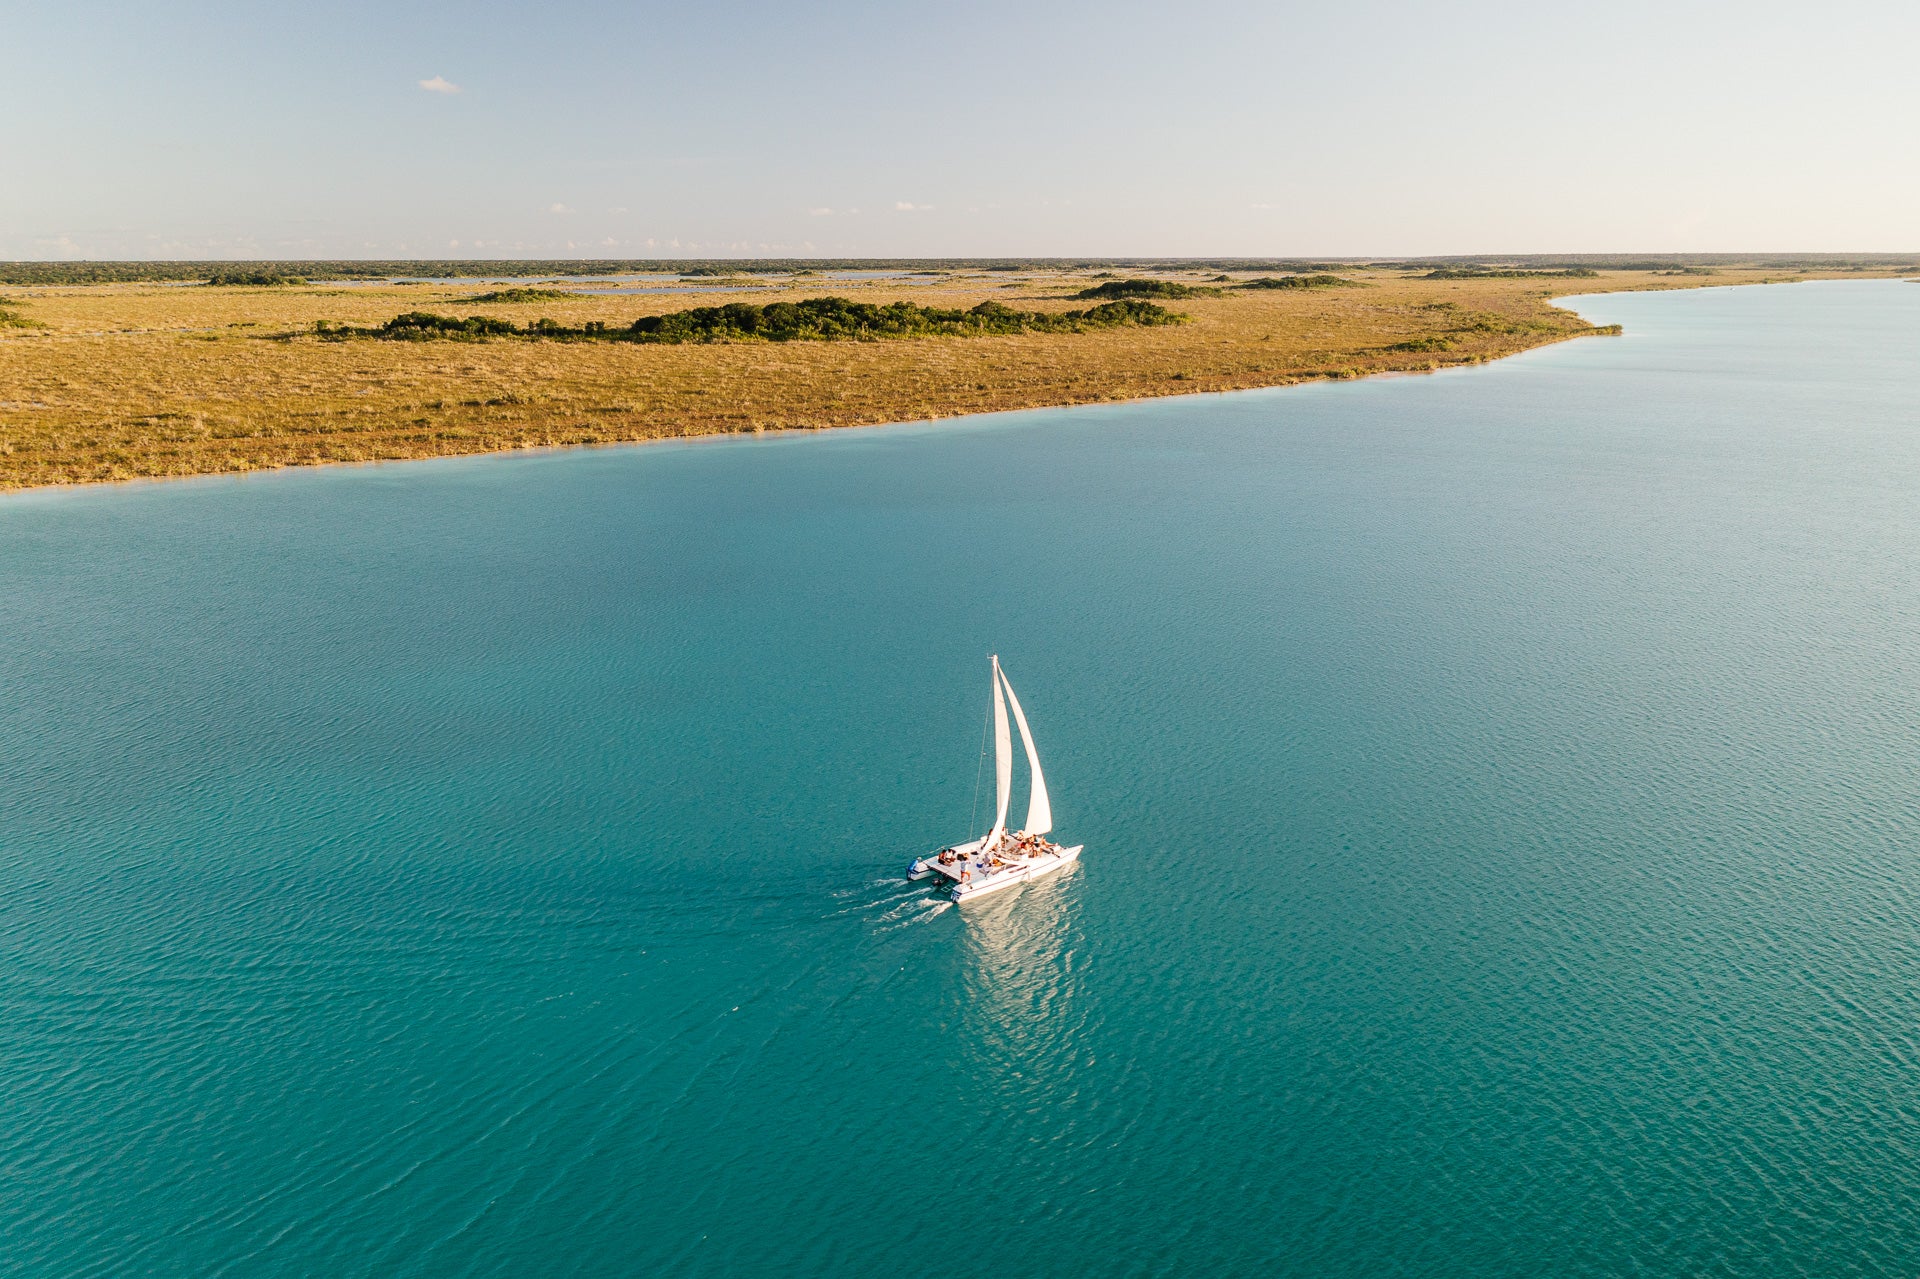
(1002, 763)
(979, 767)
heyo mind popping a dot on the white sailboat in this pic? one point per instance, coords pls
(1000, 859)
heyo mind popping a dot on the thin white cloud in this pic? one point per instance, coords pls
(440, 84)
(907, 206)
(820, 213)
(557, 207)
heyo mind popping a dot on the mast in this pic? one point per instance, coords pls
(1039, 810)
(1002, 763)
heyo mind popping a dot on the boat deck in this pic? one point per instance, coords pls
(967, 857)
(1000, 870)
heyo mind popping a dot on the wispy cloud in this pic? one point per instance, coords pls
(907, 206)
(439, 84)
(820, 213)
(557, 207)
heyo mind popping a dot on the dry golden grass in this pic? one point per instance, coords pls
(126, 381)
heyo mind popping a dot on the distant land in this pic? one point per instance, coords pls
(123, 370)
(84, 272)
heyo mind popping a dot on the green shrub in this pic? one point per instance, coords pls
(1490, 273)
(521, 295)
(1303, 282)
(10, 319)
(815, 319)
(1146, 289)
(261, 279)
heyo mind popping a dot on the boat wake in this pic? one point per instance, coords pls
(871, 896)
(915, 910)
(889, 903)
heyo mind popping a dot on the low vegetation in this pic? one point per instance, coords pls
(1302, 282)
(815, 319)
(252, 279)
(1117, 289)
(132, 379)
(1509, 273)
(1459, 326)
(31, 274)
(521, 295)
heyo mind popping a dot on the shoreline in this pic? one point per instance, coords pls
(1531, 315)
(768, 434)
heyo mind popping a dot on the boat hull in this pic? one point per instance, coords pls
(1013, 876)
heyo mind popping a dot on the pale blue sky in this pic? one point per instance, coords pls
(855, 129)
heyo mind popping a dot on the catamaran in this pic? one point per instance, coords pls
(1000, 859)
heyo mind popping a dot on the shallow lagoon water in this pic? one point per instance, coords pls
(1499, 789)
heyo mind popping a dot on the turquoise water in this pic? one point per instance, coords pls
(1501, 793)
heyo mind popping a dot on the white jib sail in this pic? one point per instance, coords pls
(1039, 811)
(1002, 762)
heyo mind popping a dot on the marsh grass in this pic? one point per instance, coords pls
(130, 380)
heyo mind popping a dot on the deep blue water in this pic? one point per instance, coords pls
(1501, 793)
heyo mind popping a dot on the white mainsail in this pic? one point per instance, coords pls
(1002, 762)
(1039, 811)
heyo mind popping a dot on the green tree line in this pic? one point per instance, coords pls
(1321, 281)
(814, 319)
